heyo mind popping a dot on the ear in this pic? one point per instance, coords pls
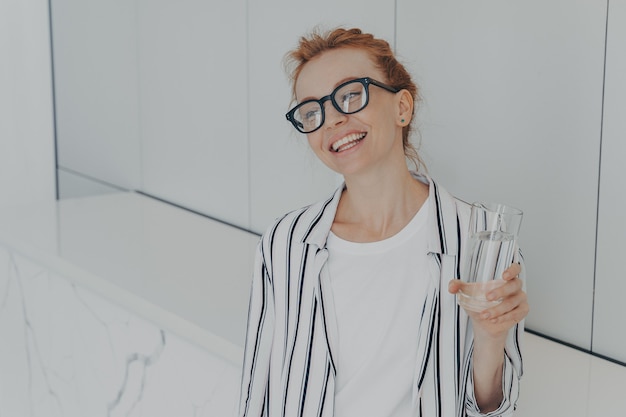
(405, 107)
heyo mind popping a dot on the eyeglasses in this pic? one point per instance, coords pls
(348, 98)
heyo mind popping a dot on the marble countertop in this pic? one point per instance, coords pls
(184, 272)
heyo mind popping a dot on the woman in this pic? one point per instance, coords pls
(353, 310)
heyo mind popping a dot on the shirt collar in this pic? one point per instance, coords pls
(323, 222)
(318, 234)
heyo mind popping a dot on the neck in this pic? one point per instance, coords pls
(377, 205)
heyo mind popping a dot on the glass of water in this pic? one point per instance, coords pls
(491, 248)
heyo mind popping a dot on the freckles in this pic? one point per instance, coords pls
(315, 142)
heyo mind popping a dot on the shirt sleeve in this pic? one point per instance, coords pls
(254, 380)
(512, 371)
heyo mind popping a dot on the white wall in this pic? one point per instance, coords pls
(185, 107)
(284, 174)
(95, 62)
(26, 115)
(194, 103)
(609, 335)
(75, 185)
(512, 113)
(193, 95)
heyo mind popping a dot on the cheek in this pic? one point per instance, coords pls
(315, 142)
(376, 114)
(376, 121)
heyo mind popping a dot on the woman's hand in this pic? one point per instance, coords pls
(496, 321)
(491, 327)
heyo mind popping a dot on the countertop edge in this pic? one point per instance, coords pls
(159, 316)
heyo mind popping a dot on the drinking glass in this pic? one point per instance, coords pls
(493, 232)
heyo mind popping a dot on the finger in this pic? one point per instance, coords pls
(454, 286)
(512, 317)
(507, 305)
(509, 288)
(511, 272)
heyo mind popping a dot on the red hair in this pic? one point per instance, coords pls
(381, 54)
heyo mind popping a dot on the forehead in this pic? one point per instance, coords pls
(329, 69)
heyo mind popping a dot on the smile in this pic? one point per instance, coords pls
(347, 142)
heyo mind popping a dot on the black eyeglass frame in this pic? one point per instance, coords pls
(365, 81)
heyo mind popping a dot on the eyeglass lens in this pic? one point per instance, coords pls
(349, 98)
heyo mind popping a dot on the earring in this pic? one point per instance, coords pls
(402, 121)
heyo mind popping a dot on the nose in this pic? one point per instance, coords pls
(332, 116)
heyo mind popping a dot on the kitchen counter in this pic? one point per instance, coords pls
(120, 279)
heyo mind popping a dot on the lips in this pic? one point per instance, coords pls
(347, 142)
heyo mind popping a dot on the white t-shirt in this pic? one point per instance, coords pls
(378, 290)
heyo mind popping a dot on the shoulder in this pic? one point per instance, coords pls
(295, 227)
(451, 217)
(448, 202)
(463, 208)
(284, 228)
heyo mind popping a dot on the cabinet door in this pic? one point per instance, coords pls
(95, 77)
(511, 112)
(284, 172)
(193, 95)
(609, 321)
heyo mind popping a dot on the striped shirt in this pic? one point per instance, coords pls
(289, 364)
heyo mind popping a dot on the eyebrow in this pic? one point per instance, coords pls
(337, 84)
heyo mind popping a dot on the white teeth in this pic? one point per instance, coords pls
(350, 139)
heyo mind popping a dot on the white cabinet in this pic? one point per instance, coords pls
(609, 330)
(511, 112)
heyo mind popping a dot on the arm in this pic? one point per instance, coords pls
(254, 379)
(496, 358)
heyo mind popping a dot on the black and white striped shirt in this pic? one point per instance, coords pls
(289, 362)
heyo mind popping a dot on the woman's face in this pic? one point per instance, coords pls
(354, 143)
